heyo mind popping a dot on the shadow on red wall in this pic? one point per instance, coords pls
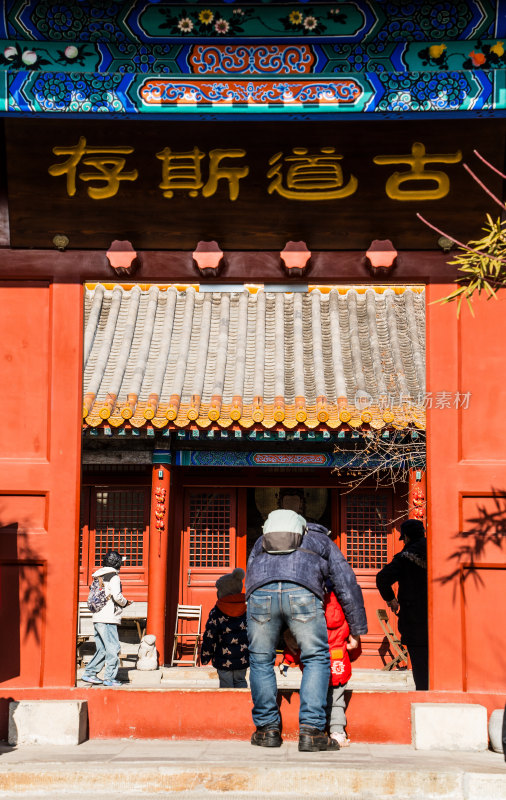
(22, 607)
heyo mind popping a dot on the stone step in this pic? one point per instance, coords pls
(229, 769)
(362, 680)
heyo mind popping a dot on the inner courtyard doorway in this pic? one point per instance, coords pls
(220, 527)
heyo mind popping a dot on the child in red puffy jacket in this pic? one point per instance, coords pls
(340, 665)
(340, 668)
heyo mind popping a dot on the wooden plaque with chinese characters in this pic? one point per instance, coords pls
(249, 185)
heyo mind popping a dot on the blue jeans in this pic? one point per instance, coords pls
(270, 608)
(107, 644)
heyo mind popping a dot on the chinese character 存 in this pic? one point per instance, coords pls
(183, 171)
(417, 160)
(106, 160)
(309, 177)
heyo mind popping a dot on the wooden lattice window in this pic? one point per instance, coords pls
(119, 525)
(366, 530)
(115, 519)
(209, 525)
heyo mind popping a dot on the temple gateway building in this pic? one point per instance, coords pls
(225, 234)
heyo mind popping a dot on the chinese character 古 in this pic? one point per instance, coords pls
(183, 171)
(107, 162)
(417, 160)
(309, 177)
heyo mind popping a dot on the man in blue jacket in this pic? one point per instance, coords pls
(287, 590)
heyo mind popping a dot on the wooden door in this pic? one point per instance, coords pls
(209, 544)
(367, 542)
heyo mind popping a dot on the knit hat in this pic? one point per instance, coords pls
(231, 583)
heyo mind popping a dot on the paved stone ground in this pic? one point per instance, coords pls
(196, 770)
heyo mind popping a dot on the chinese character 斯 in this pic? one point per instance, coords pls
(417, 161)
(107, 162)
(183, 171)
(310, 177)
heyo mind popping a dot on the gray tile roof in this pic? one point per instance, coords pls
(328, 356)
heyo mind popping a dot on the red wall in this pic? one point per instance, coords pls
(382, 717)
(40, 376)
(467, 496)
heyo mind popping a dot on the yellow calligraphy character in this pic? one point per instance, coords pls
(181, 171)
(107, 162)
(218, 172)
(417, 161)
(310, 177)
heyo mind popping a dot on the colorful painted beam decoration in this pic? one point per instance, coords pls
(231, 458)
(147, 58)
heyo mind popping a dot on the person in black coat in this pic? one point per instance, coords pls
(225, 641)
(409, 570)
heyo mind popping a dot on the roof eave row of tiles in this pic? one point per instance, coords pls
(290, 417)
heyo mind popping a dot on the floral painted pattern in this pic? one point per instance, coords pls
(206, 22)
(310, 21)
(24, 58)
(139, 20)
(486, 56)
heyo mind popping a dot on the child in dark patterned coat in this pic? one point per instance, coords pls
(225, 641)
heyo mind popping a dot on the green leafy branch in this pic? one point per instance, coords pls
(481, 262)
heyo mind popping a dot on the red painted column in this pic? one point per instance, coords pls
(417, 495)
(158, 546)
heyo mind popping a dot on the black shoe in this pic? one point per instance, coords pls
(267, 737)
(311, 740)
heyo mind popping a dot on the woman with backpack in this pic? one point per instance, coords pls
(106, 601)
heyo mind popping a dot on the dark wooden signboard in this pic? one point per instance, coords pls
(249, 185)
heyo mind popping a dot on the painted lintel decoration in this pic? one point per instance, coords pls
(248, 458)
(222, 93)
(144, 22)
(187, 59)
